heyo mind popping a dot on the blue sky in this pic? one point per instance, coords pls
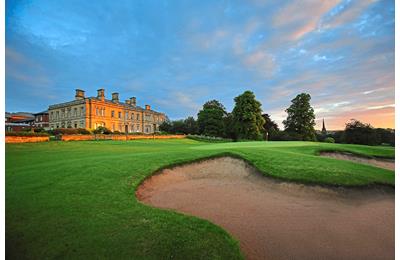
(176, 55)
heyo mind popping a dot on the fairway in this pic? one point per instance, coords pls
(77, 199)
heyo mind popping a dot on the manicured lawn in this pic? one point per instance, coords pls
(76, 199)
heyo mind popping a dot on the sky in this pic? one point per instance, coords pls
(176, 55)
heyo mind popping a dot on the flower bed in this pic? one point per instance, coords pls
(26, 139)
(116, 137)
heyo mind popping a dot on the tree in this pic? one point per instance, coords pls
(165, 126)
(210, 119)
(301, 118)
(191, 126)
(270, 127)
(357, 132)
(248, 121)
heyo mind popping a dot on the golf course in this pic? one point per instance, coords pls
(78, 199)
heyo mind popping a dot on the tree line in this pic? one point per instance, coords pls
(246, 122)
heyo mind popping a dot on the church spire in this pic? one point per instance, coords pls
(323, 126)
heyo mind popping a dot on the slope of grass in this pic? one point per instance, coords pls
(76, 199)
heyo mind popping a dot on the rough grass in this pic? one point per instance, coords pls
(76, 199)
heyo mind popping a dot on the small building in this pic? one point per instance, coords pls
(93, 112)
(41, 120)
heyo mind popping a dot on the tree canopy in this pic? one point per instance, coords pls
(210, 119)
(301, 118)
(247, 118)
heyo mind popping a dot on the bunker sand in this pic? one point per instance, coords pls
(278, 220)
(378, 162)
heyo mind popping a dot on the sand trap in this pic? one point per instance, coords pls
(378, 162)
(278, 220)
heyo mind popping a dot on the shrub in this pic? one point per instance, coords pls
(102, 130)
(28, 134)
(83, 131)
(65, 131)
(329, 140)
(39, 130)
(211, 139)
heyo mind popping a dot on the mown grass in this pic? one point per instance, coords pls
(76, 199)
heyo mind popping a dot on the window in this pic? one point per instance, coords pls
(137, 117)
(57, 114)
(133, 116)
(75, 111)
(120, 126)
(76, 125)
(137, 128)
(97, 111)
(82, 111)
(126, 115)
(51, 115)
(112, 114)
(113, 127)
(119, 116)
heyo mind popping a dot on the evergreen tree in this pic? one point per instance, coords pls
(247, 117)
(210, 119)
(301, 119)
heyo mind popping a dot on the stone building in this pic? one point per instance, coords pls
(92, 112)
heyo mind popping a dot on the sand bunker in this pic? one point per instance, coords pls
(378, 162)
(278, 220)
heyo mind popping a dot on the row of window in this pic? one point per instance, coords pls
(67, 113)
(74, 124)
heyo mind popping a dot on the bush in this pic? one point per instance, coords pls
(116, 132)
(211, 139)
(83, 131)
(285, 136)
(28, 134)
(102, 130)
(65, 131)
(39, 130)
(329, 140)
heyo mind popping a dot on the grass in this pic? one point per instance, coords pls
(76, 199)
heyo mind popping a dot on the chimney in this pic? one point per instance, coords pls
(115, 98)
(100, 94)
(147, 107)
(133, 101)
(79, 94)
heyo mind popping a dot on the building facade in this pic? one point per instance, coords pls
(41, 120)
(93, 112)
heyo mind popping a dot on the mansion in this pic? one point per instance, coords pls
(93, 112)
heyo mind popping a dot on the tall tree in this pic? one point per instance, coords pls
(301, 118)
(210, 119)
(270, 127)
(191, 126)
(247, 117)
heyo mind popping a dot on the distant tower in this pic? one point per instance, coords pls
(323, 127)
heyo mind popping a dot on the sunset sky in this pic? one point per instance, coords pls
(176, 55)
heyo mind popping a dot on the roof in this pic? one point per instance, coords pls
(81, 101)
(41, 113)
